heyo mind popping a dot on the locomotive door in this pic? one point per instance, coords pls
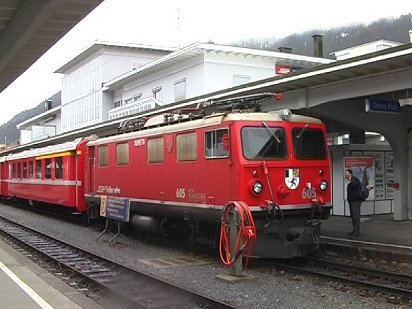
(92, 166)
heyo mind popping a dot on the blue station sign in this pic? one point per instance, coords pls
(379, 106)
(115, 208)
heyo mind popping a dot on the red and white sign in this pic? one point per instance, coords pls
(283, 69)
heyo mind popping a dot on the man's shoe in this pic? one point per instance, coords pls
(351, 233)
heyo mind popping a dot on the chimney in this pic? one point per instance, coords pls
(287, 50)
(48, 105)
(318, 45)
(410, 36)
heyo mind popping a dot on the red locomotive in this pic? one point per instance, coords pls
(178, 171)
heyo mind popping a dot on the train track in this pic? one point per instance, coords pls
(127, 288)
(373, 279)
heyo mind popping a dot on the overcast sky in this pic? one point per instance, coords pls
(182, 22)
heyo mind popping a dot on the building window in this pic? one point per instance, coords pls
(122, 153)
(186, 147)
(217, 143)
(240, 79)
(58, 172)
(155, 150)
(157, 93)
(103, 155)
(180, 90)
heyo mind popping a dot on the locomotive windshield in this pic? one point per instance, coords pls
(309, 143)
(264, 143)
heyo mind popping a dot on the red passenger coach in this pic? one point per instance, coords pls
(51, 175)
(178, 172)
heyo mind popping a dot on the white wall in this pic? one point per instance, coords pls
(83, 103)
(203, 74)
(191, 70)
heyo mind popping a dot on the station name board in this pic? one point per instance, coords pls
(379, 106)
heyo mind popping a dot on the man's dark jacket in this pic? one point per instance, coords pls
(353, 190)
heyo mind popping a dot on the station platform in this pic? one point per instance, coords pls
(377, 228)
(26, 285)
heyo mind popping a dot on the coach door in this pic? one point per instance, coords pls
(92, 167)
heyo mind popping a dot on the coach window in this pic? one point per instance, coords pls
(19, 170)
(103, 155)
(48, 173)
(24, 169)
(58, 171)
(31, 170)
(187, 147)
(217, 144)
(39, 171)
(122, 154)
(13, 170)
(155, 150)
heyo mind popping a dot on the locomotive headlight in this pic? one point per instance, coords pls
(323, 185)
(257, 187)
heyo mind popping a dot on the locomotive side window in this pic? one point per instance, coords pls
(309, 143)
(122, 153)
(48, 173)
(155, 150)
(39, 173)
(186, 147)
(58, 171)
(215, 144)
(264, 143)
(103, 154)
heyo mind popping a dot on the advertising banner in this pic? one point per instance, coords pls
(364, 169)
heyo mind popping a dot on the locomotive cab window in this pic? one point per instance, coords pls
(103, 155)
(217, 143)
(186, 147)
(122, 153)
(155, 150)
(264, 143)
(309, 143)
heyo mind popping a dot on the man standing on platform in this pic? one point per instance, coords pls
(354, 201)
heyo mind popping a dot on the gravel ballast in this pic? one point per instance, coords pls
(268, 288)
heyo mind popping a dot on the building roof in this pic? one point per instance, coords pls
(196, 49)
(97, 45)
(40, 119)
(371, 44)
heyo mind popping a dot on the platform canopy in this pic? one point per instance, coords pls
(28, 28)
